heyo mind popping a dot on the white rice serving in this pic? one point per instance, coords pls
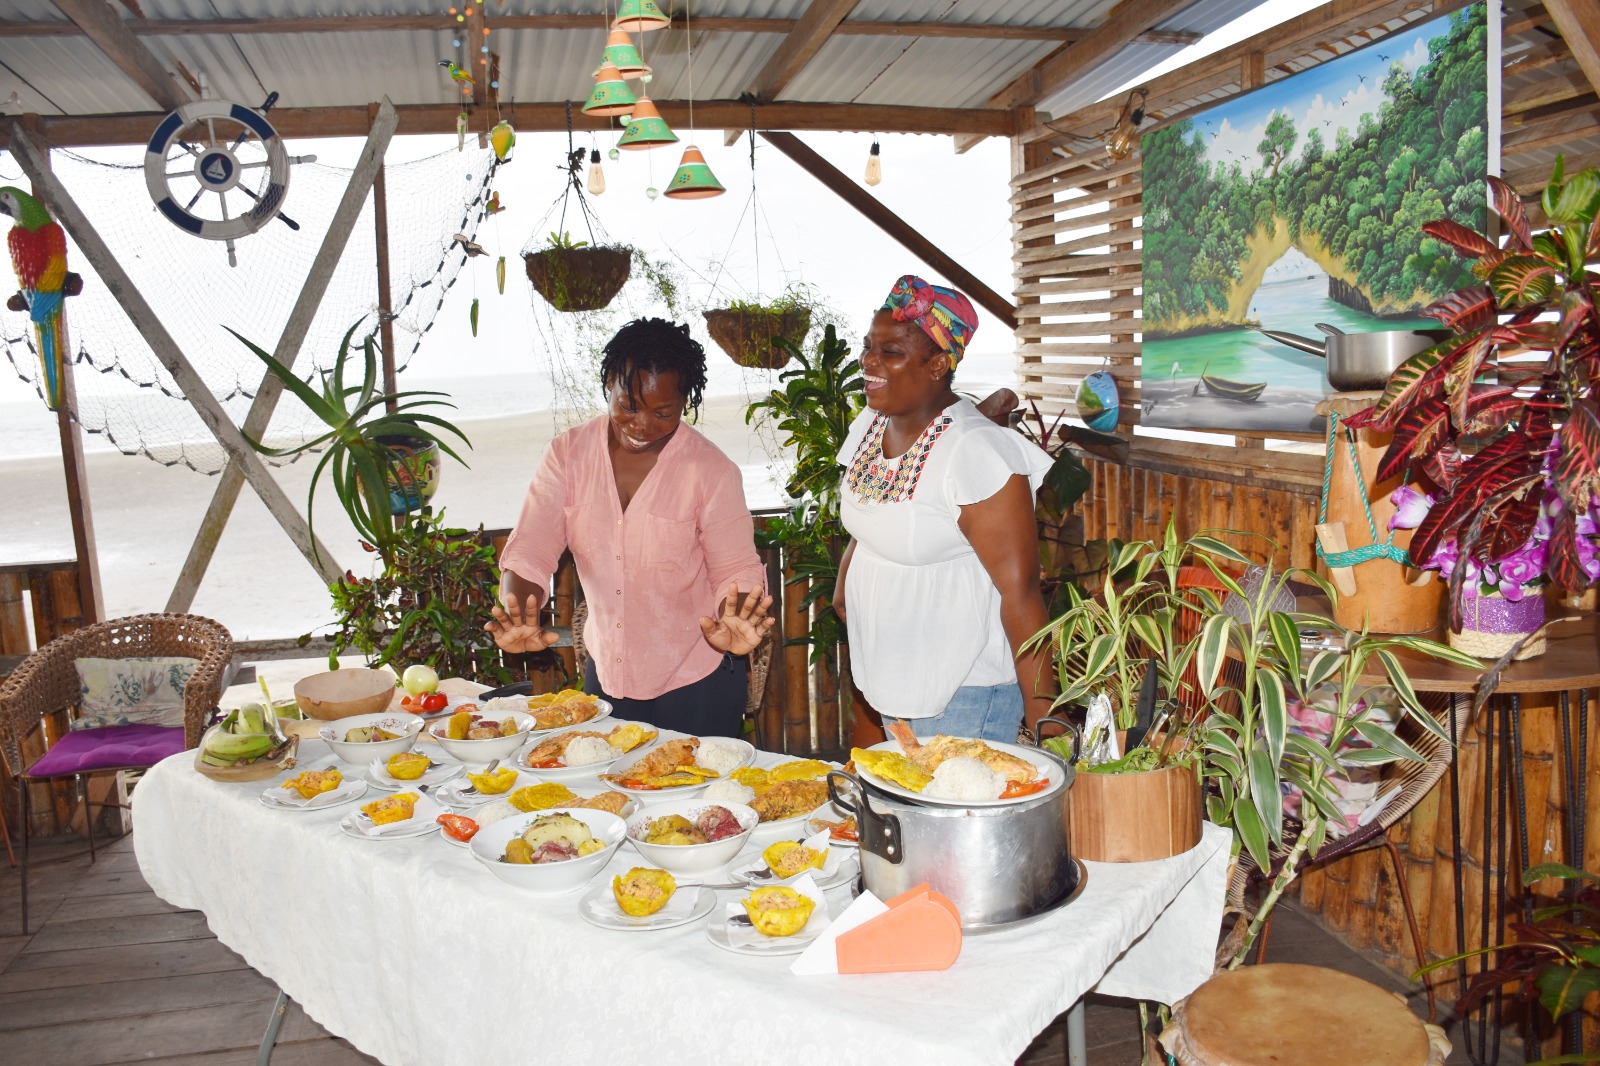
(506, 703)
(584, 751)
(727, 790)
(964, 780)
(720, 756)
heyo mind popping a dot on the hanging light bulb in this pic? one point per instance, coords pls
(597, 177)
(694, 180)
(874, 166)
(1122, 138)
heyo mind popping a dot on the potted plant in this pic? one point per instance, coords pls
(1506, 447)
(1067, 558)
(812, 410)
(752, 332)
(1291, 714)
(433, 582)
(1131, 645)
(575, 276)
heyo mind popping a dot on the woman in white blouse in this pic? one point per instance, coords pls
(939, 586)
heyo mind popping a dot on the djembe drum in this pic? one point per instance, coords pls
(1282, 1013)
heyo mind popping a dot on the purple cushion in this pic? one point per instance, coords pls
(117, 745)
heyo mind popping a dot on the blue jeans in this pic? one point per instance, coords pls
(988, 713)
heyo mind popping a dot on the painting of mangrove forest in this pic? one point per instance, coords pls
(1300, 204)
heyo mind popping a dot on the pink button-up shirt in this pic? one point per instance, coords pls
(648, 573)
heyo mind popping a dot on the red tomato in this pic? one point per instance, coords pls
(435, 701)
(458, 826)
(408, 701)
(1014, 789)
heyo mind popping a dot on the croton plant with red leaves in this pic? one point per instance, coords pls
(1477, 419)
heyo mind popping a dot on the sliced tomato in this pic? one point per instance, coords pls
(408, 701)
(844, 832)
(435, 701)
(458, 826)
(546, 764)
(1015, 789)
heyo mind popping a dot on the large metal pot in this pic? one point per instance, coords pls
(998, 865)
(1358, 362)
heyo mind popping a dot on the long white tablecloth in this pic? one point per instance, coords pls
(414, 953)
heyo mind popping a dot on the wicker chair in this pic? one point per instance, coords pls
(1414, 780)
(47, 682)
(760, 660)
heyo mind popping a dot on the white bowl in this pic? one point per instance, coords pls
(480, 752)
(689, 858)
(357, 754)
(489, 843)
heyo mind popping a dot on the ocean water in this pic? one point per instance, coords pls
(1296, 382)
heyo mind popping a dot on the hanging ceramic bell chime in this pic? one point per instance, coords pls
(611, 95)
(640, 16)
(694, 180)
(647, 130)
(621, 53)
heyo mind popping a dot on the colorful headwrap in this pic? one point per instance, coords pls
(943, 314)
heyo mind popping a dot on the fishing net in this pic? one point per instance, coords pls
(127, 396)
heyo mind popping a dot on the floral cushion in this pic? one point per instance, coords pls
(147, 691)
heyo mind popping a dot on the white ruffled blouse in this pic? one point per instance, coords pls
(923, 615)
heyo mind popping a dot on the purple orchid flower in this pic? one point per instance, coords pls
(1411, 507)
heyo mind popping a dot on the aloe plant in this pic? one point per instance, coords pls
(352, 454)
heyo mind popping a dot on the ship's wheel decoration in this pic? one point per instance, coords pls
(219, 170)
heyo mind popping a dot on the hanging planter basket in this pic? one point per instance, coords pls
(748, 336)
(579, 279)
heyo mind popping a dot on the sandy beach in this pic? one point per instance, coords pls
(258, 585)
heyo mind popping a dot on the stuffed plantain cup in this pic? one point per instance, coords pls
(643, 890)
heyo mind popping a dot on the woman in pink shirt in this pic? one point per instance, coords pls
(656, 520)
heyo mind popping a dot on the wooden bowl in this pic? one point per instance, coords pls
(342, 693)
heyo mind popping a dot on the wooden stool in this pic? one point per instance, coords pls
(1280, 1014)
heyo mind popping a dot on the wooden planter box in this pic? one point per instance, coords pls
(748, 336)
(579, 279)
(1136, 817)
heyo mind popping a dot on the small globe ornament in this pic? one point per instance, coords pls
(652, 192)
(1098, 401)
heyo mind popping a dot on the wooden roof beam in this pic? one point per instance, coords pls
(892, 224)
(1579, 23)
(77, 131)
(1061, 68)
(441, 21)
(811, 31)
(102, 25)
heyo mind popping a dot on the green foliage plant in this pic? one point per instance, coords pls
(812, 409)
(1248, 752)
(359, 464)
(1066, 557)
(1554, 955)
(1489, 453)
(426, 605)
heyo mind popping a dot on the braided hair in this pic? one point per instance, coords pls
(657, 346)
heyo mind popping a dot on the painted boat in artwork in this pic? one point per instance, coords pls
(1228, 389)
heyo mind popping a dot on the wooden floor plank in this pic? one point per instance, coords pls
(112, 932)
(329, 1051)
(123, 905)
(112, 1040)
(133, 962)
(9, 947)
(48, 1006)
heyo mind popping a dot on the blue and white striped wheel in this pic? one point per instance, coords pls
(207, 151)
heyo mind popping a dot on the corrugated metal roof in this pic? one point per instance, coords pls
(68, 75)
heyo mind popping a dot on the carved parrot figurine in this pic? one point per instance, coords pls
(456, 73)
(39, 255)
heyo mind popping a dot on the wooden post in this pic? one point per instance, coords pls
(77, 477)
(259, 416)
(30, 155)
(797, 689)
(380, 225)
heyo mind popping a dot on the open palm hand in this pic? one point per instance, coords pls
(742, 623)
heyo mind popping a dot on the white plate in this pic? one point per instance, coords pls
(577, 773)
(741, 872)
(797, 823)
(1048, 767)
(441, 771)
(502, 808)
(717, 933)
(450, 791)
(611, 917)
(449, 708)
(421, 829)
(832, 814)
(351, 788)
(605, 712)
(747, 754)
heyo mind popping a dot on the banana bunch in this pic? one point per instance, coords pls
(243, 736)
